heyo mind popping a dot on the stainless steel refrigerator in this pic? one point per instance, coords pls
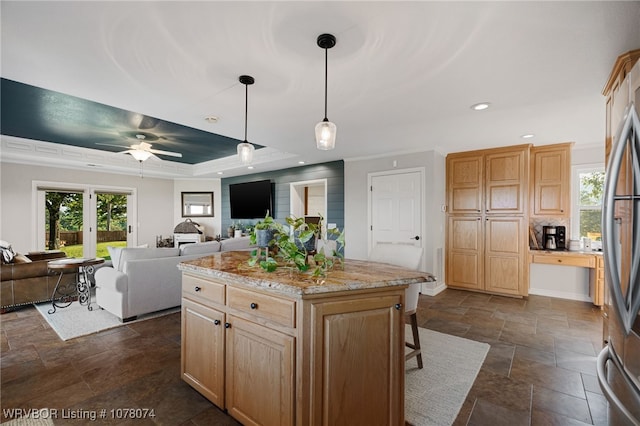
(618, 364)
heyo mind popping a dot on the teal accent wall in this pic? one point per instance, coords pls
(333, 172)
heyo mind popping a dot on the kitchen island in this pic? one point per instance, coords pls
(286, 348)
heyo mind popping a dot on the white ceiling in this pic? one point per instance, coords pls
(402, 75)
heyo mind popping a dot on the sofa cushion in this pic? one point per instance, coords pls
(240, 243)
(200, 248)
(135, 253)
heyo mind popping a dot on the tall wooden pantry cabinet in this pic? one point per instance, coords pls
(487, 220)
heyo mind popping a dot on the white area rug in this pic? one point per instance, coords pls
(76, 320)
(435, 394)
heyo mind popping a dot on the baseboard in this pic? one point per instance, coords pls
(431, 288)
(560, 294)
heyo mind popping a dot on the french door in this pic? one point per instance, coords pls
(88, 215)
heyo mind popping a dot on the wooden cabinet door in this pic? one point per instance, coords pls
(506, 181)
(465, 252)
(464, 183)
(357, 375)
(260, 374)
(551, 181)
(202, 359)
(505, 252)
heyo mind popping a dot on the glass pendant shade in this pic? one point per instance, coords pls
(245, 152)
(326, 135)
(140, 155)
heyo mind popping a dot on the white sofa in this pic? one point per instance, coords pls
(145, 280)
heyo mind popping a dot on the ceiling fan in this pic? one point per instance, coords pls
(142, 150)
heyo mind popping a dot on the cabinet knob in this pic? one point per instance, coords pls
(253, 306)
(216, 322)
(227, 325)
(197, 288)
(398, 306)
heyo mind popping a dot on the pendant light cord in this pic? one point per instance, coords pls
(326, 73)
(246, 109)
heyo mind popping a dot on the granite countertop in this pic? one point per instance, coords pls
(232, 267)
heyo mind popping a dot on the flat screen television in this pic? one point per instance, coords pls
(251, 200)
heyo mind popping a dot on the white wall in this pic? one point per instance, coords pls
(356, 199)
(157, 200)
(212, 225)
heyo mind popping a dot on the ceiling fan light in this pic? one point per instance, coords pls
(245, 152)
(326, 135)
(140, 155)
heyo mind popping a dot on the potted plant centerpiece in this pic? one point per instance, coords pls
(264, 234)
(294, 245)
(264, 231)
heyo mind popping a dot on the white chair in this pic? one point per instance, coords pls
(407, 256)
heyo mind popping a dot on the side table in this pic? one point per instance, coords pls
(83, 268)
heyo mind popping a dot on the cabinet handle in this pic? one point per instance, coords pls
(398, 306)
(197, 288)
(216, 322)
(227, 325)
(253, 306)
(559, 260)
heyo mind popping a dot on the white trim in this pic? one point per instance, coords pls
(432, 288)
(560, 294)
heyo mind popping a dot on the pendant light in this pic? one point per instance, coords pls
(326, 130)
(245, 149)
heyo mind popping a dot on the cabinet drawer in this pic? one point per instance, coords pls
(281, 311)
(199, 289)
(550, 259)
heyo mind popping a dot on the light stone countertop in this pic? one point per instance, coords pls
(232, 267)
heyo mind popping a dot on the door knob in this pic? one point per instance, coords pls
(417, 237)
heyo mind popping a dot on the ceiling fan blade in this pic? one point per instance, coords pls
(170, 154)
(111, 144)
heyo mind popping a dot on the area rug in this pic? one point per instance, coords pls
(76, 320)
(435, 394)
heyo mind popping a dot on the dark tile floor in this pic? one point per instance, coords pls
(540, 369)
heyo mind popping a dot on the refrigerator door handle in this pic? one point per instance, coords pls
(628, 136)
(604, 356)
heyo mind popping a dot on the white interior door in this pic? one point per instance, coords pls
(396, 208)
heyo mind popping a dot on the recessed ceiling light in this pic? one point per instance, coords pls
(211, 119)
(250, 167)
(300, 162)
(527, 136)
(219, 173)
(480, 106)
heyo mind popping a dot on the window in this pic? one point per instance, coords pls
(588, 193)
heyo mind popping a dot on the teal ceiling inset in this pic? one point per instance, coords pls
(34, 113)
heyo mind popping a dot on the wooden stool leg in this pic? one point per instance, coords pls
(413, 319)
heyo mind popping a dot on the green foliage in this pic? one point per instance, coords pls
(591, 188)
(289, 248)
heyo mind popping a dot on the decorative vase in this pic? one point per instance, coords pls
(309, 245)
(263, 237)
(230, 231)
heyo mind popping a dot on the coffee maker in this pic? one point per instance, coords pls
(554, 237)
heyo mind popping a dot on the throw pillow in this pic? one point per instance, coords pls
(21, 258)
(115, 252)
(7, 252)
